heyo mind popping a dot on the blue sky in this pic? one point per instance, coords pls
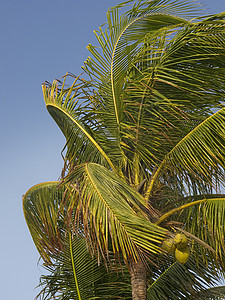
(40, 40)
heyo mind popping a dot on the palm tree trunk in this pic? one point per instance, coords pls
(138, 282)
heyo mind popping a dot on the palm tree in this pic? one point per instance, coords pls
(144, 159)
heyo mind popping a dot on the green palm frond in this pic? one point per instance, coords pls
(169, 92)
(178, 64)
(180, 8)
(202, 217)
(75, 274)
(47, 209)
(182, 76)
(200, 154)
(83, 135)
(188, 202)
(46, 217)
(206, 221)
(214, 293)
(113, 209)
(118, 44)
(179, 281)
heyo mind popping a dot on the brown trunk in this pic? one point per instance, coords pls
(138, 282)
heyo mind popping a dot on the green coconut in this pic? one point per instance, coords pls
(168, 245)
(182, 255)
(180, 241)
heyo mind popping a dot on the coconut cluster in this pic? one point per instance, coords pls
(178, 246)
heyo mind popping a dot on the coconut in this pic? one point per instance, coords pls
(182, 255)
(180, 241)
(168, 245)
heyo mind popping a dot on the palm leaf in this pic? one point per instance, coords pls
(214, 293)
(119, 43)
(206, 221)
(47, 209)
(46, 217)
(180, 8)
(200, 154)
(203, 219)
(83, 138)
(169, 92)
(74, 274)
(179, 281)
(112, 209)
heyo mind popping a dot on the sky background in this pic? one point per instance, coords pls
(40, 40)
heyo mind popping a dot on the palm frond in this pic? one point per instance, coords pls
(168, 92)
(83, 134)
(214, 293)
(202, 219)
(46, 217)
(206, 221)
(179, 281)
(113, 211)
(118, 44)
(187, 9)
(200, 154)
(75, 274)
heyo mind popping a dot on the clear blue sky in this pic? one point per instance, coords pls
(40, 40)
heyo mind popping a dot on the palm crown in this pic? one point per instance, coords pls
(144, 153)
